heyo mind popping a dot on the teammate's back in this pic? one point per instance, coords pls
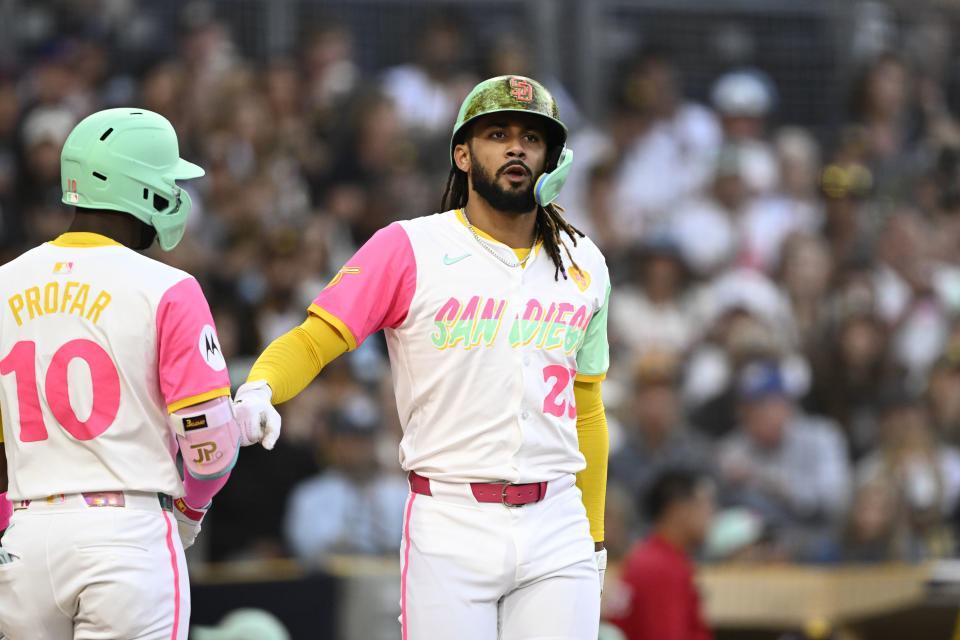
(86, 332)
(109, 364)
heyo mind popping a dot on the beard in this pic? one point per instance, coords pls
(510, 200)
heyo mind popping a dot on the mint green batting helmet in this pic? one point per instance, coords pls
(128, 160)
(524, 95)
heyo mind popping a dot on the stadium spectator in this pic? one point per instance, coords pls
(352, 506)
(427, 92)
(943, 394)
(744, 99)
(707, 226)
(794, 207)
(881, 105)
(848, 224)
(654, 310)
(656, 598)
(789, 467)
(870, 530)
(910, 296)
(666, 145)
(658, 438)
(924, 474)
(804, 274)
(749, 319)
(850, 373)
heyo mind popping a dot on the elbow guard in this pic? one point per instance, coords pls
(209, 437)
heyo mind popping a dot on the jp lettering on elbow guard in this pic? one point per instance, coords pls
(209, 437)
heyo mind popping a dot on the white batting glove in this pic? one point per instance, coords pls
(188, 521)
(258, 420)
(601, 558)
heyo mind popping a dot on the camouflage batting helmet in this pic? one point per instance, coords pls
(129, 160)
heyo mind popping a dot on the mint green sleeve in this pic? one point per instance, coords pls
(593, 359)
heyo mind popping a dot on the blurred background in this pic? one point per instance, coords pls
(775, 184)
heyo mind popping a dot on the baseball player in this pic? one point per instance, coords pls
(495, 315)
(109, 364)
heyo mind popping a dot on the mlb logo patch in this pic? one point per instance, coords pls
(63, 267)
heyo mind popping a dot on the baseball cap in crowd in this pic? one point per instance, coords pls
(244, 624)
(731, 531)
(47, 124)
(850, 180)
(745, 93)
(750, 291)
(760, 380)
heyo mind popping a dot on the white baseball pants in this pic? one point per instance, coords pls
(482, 571)
(94, 573)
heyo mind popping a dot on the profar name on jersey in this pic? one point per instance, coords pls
(58, 297)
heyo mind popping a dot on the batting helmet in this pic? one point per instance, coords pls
(128, 160)
(524, 95)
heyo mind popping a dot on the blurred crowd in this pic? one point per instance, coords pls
(786, 299)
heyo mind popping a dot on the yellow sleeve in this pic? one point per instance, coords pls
(595, 447)
(294, 359)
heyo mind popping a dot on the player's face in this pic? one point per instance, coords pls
(507, 153)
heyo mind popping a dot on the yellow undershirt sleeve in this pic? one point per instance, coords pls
(595, 447)
(294, 359)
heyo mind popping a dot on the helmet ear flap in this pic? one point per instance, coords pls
(170, 226)
(548, 185)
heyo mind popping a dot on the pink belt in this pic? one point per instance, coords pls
(507, 494)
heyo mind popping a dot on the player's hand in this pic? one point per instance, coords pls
(601, 558)
(188, 521)
(258, 420)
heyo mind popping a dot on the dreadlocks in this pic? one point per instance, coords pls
(549, 224)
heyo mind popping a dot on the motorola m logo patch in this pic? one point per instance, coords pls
(209, 348)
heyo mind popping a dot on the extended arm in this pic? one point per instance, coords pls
(294, 359)
(282, 371)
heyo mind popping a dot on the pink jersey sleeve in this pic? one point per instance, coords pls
(373, 290)
(192, 367)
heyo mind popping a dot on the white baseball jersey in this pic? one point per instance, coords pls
(97, 344)
(483, 354)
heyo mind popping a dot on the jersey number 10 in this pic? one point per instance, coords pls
(22, 363)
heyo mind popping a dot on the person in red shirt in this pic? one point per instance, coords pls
(657, 599)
